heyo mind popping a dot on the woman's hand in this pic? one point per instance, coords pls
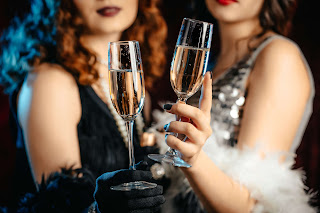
(197, 128)
(142, 201)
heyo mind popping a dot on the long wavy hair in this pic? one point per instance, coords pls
(50, 33)
(275, 15)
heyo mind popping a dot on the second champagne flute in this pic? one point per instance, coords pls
(127, 92)
(188, 67)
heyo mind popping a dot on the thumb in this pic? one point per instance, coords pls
(206, 94)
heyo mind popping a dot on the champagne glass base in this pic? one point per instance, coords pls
(138, 185)
(171, 159)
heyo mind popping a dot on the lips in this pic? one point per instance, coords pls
(226, 2)
(109, 11)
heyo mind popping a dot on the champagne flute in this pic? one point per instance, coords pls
(188, 67)
(127, 92)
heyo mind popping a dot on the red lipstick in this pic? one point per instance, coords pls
(109, 11)
(226, 2)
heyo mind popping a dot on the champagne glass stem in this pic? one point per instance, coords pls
(129, 125)
(178, 118)
(173, 152)
(182, 101)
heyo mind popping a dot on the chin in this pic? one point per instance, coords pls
(114, 25)
(109, 28)
(225, 16)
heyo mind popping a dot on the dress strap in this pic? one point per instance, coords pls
(261, 46)
(249, 63)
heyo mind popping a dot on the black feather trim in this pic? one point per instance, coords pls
(70, 190)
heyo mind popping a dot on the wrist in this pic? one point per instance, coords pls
(195, 163)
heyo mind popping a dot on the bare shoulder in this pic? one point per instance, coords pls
(281, 61)
(281, 47)
(51, 74)
(49, 87)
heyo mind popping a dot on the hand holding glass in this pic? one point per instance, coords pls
(127, 92)
(188, 67)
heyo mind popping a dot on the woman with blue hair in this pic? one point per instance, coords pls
(53, 66)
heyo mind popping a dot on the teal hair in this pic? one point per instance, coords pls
(21, 42)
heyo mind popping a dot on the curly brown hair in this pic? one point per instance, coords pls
(51, 32)
(149, 29)
(275, 15)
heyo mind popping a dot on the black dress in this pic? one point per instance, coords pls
(101, 146)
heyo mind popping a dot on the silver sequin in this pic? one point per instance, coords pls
(229, 97)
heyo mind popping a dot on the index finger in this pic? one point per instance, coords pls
(205, 102)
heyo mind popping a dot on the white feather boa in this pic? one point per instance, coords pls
(277, 187)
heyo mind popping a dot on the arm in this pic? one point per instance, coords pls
(49, 110)
(278, 90)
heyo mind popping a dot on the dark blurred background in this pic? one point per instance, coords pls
(304, 33)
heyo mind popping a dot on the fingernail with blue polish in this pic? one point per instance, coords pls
(166, 127)
(165, 137)
(167, 106)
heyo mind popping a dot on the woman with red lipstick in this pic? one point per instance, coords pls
(262, 93)
(53, 66)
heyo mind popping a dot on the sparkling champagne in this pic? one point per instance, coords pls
(187, 70)
(127, 92)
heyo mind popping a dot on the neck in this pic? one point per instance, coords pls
(99, 43)
(235, 36)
